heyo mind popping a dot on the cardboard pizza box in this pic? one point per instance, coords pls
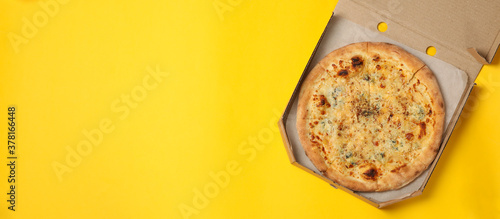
(465, 35)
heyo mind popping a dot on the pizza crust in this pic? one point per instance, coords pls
(417, 72)
(397, 53)
(344, 53)
(426, 76)
(311, 149)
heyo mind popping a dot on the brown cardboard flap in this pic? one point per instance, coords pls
(476, 55)
(450, 26)
(289, 150)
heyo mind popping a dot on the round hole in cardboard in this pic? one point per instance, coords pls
(431, 50)
(382, 26)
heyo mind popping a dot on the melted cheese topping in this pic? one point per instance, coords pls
(368, 116)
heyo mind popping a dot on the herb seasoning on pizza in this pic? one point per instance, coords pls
(370, 116)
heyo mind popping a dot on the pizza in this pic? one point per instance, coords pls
(370, 116)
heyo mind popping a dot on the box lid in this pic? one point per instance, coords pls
(465, 33)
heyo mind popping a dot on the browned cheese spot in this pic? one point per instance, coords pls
(343, 72)
(313, 139)
(356, 61)
(398, 168)
(323, 101)
(422, 130)
(409, 136)
(371, 174)
(378, 67)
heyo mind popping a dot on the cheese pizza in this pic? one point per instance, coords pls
(370, 116)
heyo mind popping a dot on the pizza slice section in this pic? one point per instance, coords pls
(390, 69)
(350, 135)
(331, 96)
(426, 113)
(402, 113)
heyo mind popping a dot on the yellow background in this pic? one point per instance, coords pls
(229, 73)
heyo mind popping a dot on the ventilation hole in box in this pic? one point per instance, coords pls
(431, 50)
(382, 27)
